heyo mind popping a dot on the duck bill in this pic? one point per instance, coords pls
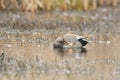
(67, 43)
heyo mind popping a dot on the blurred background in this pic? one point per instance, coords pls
(49, 5)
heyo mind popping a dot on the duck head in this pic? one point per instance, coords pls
(59, 43)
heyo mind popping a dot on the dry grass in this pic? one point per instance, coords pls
(31, 68)
(35, 5)
(35, 68)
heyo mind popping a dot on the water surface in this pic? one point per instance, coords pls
(99, 60)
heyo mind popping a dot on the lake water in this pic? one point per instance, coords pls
(99, 60)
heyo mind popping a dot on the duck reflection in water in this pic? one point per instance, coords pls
(70, 52)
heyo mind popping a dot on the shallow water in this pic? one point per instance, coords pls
(99, 60)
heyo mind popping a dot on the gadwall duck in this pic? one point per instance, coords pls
(70, 40)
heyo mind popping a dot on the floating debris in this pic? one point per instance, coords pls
(108, 42)
(8, 45)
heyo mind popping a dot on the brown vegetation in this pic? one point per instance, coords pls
(35, 5)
